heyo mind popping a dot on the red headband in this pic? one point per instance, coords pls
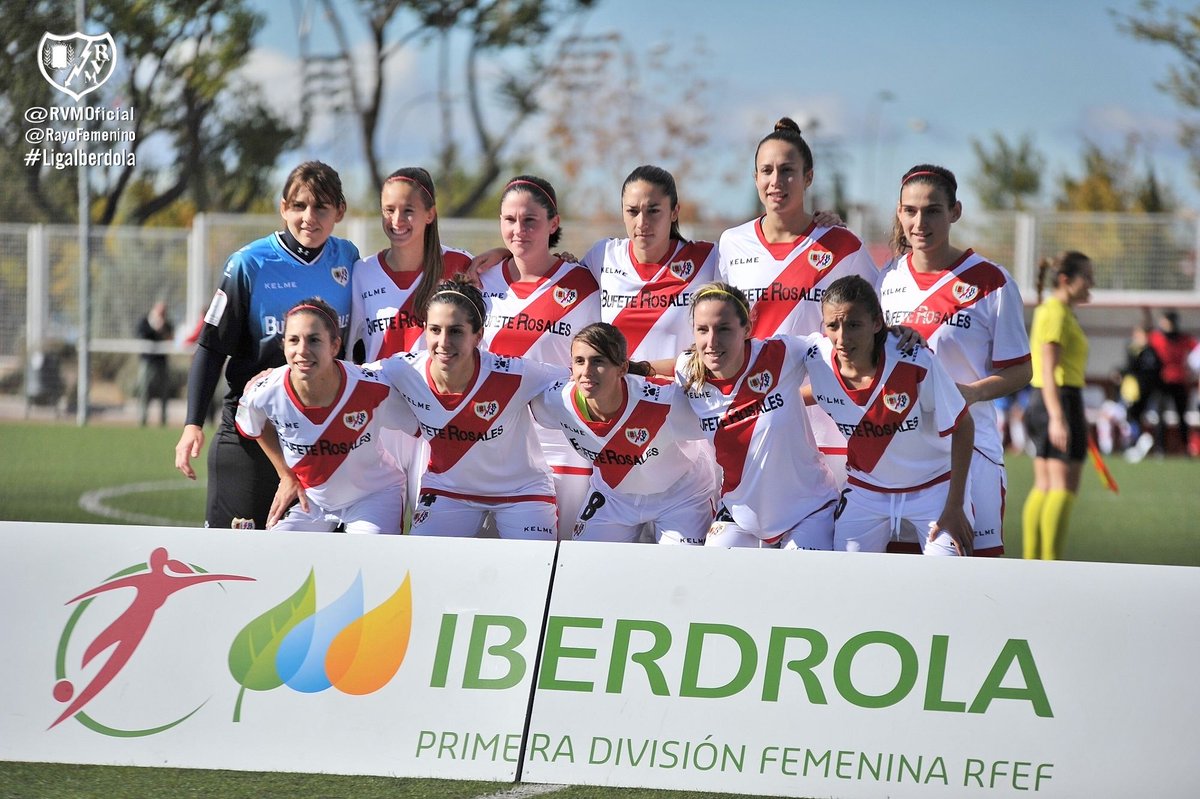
(543, 192)
(907, 178)
(415, 182)
(319, 310)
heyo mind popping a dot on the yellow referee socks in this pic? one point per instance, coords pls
(1056, 513)
(1031, 519)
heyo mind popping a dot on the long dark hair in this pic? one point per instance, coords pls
(932, 175)
(432, 265)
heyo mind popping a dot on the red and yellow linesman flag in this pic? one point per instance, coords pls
(1101, 467)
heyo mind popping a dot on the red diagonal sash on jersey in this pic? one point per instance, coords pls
(798, 277)
(980, 280)
(732, 439)
(518, 336)
(864, 449)
(620, 453)
(636, 321)
(401, 335)
(467, 426)
(334, 445)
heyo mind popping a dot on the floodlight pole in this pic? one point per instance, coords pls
(83, 382)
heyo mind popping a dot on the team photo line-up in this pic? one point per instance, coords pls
(773, 389)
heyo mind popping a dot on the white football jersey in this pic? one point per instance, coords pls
(898, 428)
(481, 442)
(382, 315)
(638, 451)
(772, 474)
(785, 282)
(333, 451)
(538, 320)
(973, 318)
(651, 304)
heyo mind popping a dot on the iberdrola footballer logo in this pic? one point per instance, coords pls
(291, 644)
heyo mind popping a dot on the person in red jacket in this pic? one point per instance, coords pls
(1173, 347)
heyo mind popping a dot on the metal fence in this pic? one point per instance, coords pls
(1140, 260)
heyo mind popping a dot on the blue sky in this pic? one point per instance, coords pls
(889, 84)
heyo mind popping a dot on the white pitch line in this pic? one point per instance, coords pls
(524, 790)
(93, 502)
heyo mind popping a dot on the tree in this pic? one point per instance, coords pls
(488, 28)
(611, 108)
(215, 138)
(1180, 31)
(1110, 182)
(1008, 175)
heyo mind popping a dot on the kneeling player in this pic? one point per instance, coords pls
(630, 428)
(318, 420)
(473, 409)
(910, 436)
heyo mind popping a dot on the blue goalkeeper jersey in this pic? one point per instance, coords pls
(261, 283)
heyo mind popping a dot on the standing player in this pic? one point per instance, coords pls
(1055, 419)
(244, 324)
(473, 409)
(776, 489)
(784, 261)
(536, 304)
(319, 421)
(630, 427)
(970, 312)
(909, 433)
(392, 288)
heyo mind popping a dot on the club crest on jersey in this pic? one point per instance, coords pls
(419, 517)
(238, 523)
(341, 274)
(76, 64)
(355, 420)
(896, 402)
(565, 297)
(487, 409)
(964, 292)
(683, 269)
(761, 382)
(820, 259)
(637, 435)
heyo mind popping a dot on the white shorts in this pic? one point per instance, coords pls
(866, 520)
(679, 515)
(379, 512)
(814, 531)
(987, 486)
(410, 456)
(571, 488)
(451, 517)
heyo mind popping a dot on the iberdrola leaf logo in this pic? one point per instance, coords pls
(339, 646)
(252, 655)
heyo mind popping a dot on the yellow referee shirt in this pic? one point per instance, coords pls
(1055, 323)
